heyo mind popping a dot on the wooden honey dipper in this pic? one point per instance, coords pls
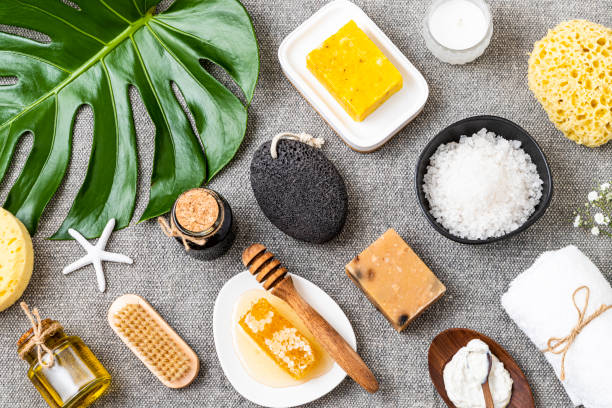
(269, 272)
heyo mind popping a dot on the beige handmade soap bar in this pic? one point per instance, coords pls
(395, 279)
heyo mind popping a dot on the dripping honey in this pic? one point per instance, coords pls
(257, 362)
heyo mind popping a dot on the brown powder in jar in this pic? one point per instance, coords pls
(196, 210)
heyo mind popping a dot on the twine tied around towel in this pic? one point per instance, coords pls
(561, 345)
(305, 138)
(173, 231)
(39, 336)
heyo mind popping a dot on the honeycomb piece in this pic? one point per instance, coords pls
(278, 338)
(570, 73)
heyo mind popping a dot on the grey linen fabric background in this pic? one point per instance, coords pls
(381, 193)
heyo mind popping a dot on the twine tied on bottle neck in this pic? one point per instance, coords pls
(38, 336)
(173, 231)
(305, 138)
(561, 345)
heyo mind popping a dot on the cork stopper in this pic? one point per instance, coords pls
(26, 343)
(197, 210)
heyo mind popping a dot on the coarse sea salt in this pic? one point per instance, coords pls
(484, 186)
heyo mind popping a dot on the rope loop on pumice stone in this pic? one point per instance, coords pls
(316, 142)
(173, 231)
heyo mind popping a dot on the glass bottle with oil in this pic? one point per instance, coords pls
(74, 378)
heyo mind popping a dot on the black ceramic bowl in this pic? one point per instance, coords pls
(504, 128)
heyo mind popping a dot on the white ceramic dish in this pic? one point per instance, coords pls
(232, 367)
(389, 118)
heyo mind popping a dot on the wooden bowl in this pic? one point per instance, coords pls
(447, 343)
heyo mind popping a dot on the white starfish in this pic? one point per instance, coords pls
(96, 254)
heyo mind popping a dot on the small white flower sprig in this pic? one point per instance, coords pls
(596, 214)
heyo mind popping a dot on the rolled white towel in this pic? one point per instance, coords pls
(540, 302)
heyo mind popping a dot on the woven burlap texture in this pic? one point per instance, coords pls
(381, 195)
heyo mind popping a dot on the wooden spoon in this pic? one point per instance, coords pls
(274, 277)
(485, 385)
(447, 343)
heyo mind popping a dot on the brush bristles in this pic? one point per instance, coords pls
(153, 344)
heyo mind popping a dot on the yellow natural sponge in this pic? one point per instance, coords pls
(16, 259)
(570, 73)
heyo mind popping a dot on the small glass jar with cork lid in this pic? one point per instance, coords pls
(202, 221)
(62, 368)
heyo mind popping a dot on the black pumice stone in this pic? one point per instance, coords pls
(300, 192)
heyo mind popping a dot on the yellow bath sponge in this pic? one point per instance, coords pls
(16, 259)
(570, 73)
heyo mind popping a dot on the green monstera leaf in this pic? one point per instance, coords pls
(98, 50)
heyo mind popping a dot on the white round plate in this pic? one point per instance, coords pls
(232, 367)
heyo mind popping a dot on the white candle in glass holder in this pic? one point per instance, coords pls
(458, 31)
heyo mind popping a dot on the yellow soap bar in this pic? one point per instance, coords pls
(16, 259)
(278, 338)
(354, 71)
(395, 279)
